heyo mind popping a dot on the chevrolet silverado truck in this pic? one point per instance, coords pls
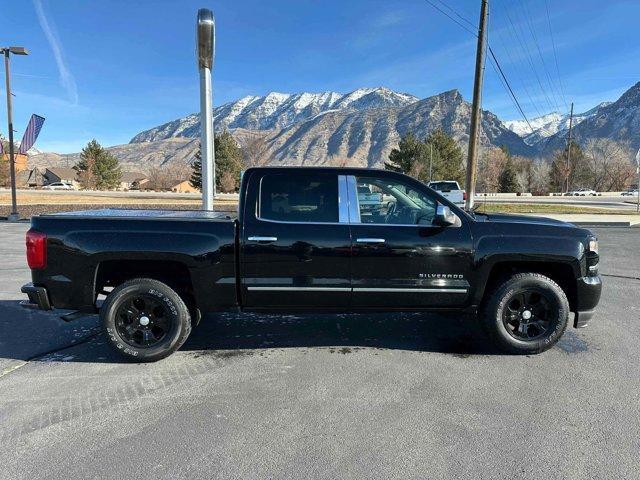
(152, 274)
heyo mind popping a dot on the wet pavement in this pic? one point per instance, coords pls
(400, 395)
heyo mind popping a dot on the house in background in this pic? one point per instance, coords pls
(31, 178)
(183, 187)
(133, 181)
(176, 185)
(61, 174)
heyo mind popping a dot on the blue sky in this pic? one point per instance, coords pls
(111, 68)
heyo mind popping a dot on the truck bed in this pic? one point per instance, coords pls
(90, 249)
(148, 214)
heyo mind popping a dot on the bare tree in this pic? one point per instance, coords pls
(540, 177)
(164, 178)
(490, 166)
(256, 152)
(608, 164)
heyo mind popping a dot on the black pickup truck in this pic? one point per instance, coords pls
(314, 239)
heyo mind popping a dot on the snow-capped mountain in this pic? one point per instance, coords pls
(278, 110)
(548, 125)
(362, 126)
(619, 121)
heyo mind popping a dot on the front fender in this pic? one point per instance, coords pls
(539, 251)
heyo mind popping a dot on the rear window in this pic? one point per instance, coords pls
(444, 186)
(299, 198)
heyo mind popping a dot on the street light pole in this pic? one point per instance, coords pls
(206, 49)
(13, 216)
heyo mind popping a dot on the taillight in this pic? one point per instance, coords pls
(464, 196)
(36, 249)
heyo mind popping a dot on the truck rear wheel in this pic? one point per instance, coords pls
(145, 320)
(528, 313)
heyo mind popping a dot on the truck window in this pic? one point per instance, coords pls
(299, 198)
(444, 186)
(393, 202)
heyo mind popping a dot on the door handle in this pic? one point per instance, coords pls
(263, 239)
(370, 240)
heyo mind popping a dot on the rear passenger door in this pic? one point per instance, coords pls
(295, 244)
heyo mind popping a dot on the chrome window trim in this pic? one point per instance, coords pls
(352, 193)
(343, 199)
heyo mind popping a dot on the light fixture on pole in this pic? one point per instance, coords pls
(7, 51)
(205, 38)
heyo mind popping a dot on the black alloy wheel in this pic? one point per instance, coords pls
(145, 320)
(142, 321)
(528, 314)
(525, 313)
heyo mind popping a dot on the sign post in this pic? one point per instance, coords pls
(205, 37)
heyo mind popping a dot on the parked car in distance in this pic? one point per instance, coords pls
(322, 249)
(369, 201)
(449, 189)
(59, 186)
(632, 192)
(582, 192)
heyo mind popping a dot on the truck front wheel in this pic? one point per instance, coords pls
(145, 320)
(528, 313)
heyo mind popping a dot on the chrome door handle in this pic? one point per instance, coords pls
(370, 240)
(263, 239)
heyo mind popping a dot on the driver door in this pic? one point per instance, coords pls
(401, 260)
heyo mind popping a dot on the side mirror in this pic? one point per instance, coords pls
(444, 216)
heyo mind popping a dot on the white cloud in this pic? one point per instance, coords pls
(66, 77)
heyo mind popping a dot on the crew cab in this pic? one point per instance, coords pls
(302, 240)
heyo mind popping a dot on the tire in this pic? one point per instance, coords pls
(145, 320)
(511, 328)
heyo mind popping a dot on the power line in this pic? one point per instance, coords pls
(555, 55)
(493, 56)
(537, 44)
(520, 38)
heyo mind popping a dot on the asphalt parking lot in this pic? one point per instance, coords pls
(323, 396)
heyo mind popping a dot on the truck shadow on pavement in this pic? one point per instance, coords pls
(42, 336)
(454, 334)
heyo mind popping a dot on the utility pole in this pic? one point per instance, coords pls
(472, 156)
(569, 147)
(13, 216)
(430, 162)
(205, 50)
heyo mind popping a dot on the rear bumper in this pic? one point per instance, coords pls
(588, 291)
(38, 297)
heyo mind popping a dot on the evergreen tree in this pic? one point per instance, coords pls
(196, 171)
(437, 158)
(508, 182)
(409, 157)
(228, 164)
(447, 157)
(97, 168)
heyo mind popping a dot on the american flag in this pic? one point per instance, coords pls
(31, 134)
